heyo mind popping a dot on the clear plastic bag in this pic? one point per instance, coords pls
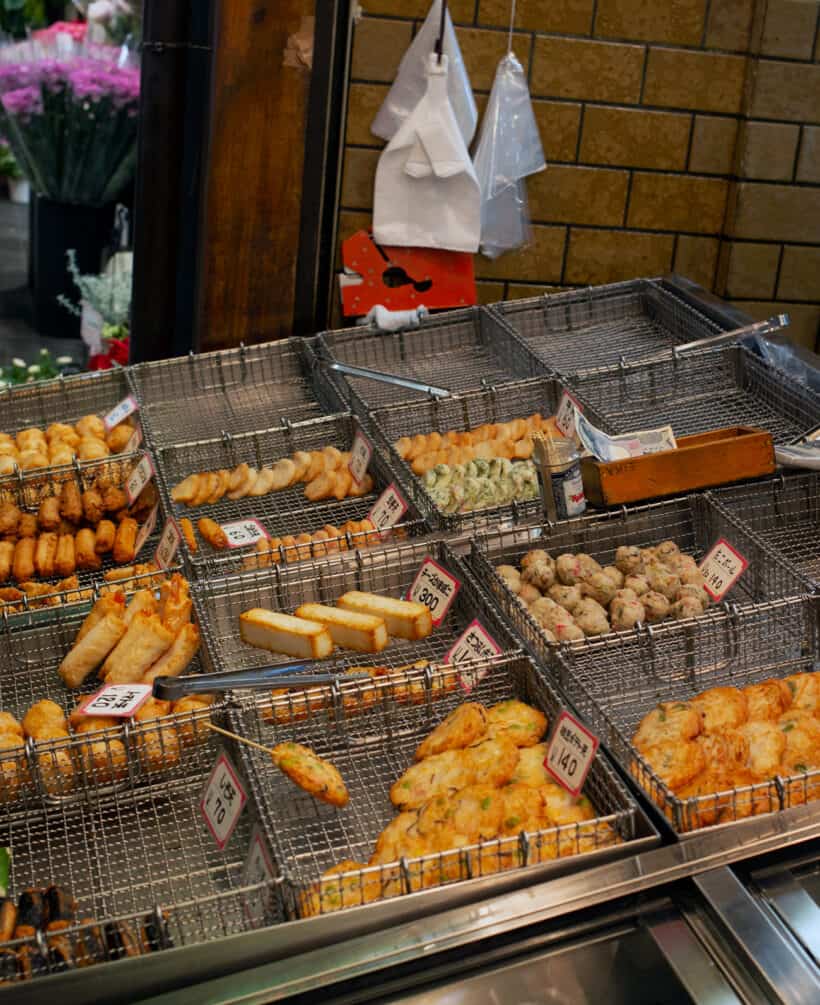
(411, 80)
(509, 149)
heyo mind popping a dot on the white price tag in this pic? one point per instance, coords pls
(146, 530)
(570, 753)
(168, 544)
(435, 587)
(360, 454)
(388, 509)
(138, 479)
(118, 700)
(474, 643)
(565, 415)
(722, 568)
(258, 869)
(222, 800)
(134, 441)
(242, 533)
(119, 413)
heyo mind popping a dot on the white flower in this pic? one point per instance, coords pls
(19, 362)
(64, 360)
(34, 369)
(44, 352)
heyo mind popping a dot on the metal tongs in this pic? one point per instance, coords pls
(389, 378)
(258, 679)
(773, 324)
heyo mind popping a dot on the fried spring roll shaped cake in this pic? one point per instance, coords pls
(95, 646)
(177, 658)
(145, 640)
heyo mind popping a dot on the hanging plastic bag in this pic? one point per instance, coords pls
(411, 80)
(509, 149)
(427, 194)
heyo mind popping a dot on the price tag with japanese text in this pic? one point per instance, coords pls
(168, 544)
(258, 869)
(118, 700)
(360, 454)
(474, 643)
(242, 533)
(435, 587)
(388, 509)
(722, 568)
(570, 753)
(223, 800)
(119, 413)
(134, 441)
(146, 530)
(138, 479)
(565, 415)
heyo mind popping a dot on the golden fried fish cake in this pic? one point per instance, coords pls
(310, 772)
(802, 732)
(530, 769)
(720, 708)
(767, 700)
(805, 691)
(491, 762)
(463, 726)
(521, 723)
(702, 802)
(523, 808)
(675, 763)
(668, 721)
(799, 790)
(750, 797)
(725, 750)
(474, 811)
(767, 744)
(345, 886)
(438, 773)
(399, 838)
(561, 807)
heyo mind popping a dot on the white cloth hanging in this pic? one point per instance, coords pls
(427, 194)
(411, 80)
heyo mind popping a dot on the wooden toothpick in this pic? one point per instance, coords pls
(238, 738)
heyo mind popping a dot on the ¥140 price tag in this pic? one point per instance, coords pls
(222, 800)
(570, 753)
(565, 415)
(258, 869)
(242, 533)
(119, 413)
(138, 479)
(168, 544)
(388, 509)
(435, 587)
(118, 700)
(722, 568)
(360, 454)
(474, 643)
(134, 441)
(146, 530)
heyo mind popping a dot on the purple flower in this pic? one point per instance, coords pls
(24, 102)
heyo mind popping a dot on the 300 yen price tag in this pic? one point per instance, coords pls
(258, 869)
(222, 800)
(435, 587)
(168, 544)
(241, 533)
(360, 454)
(474, 643)
(138, 479)
(118, 700)
(388, 509)
(565, 415)
(570, 753)
(119, 413)
(722, 568)
(146, 530)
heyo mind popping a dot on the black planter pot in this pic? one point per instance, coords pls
(56, 227)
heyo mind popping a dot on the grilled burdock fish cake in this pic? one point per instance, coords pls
(120, 940)
(59, 908)
(463, 726)
(521, 723)
(8, 919)
(437, 773)
(31, 913)
(668, 721)
(310, 772)
(154, 933)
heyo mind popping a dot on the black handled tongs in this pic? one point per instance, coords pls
(389, 378)
(258, 679)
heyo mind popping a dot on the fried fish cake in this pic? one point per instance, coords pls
(463, 726)
(702, 799)
(474, 811)
(561, 807)
(750, 796)
(530, 769)
(805, 691)
(310, 772)
(492, 761)
(767, 744)
(675, 763)
(667, 722)
(437, 773)
(523, 808)
(767, 700)
(399, 839)
(521, 723)
(802, 732)
(345, 885)
(720, 708)
(725, 750)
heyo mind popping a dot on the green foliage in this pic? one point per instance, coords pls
(17, 16)
(45, 368)
(9, 168)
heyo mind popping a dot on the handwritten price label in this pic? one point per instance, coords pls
(146, 530)
(388, 509)
(570, 753)
(118, 700)
(119, 413)
(722, 568)
(258, 869)
(134, 441)
(222, 800)
(434, 587)
(242, 533)
(474, 644)
(168, 544)
(138, 479)
(565, 415)
(360, 454)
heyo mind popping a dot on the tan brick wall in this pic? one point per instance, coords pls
(680, 135)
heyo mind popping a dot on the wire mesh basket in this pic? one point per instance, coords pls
(720, 388)
(615, 683)
(602, 326)
(286, 513)
(232, 391)
(465, 412)
(461, 351)
(785, 514)
(370, 735)
(694, 523)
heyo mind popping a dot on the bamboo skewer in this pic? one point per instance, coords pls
(238, 738)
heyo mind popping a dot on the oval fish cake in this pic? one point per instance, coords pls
(530, 769)
(523, 808)
(749, 797)
(435, 774)
(521, 723)
(703, 804)
(720, 708)
(676, 762)
(724, 751)
(310, 772)
(802, 732)
(805, 690)
(561, 808)
(463, 726)
(400, 838)
(474, 811)
(767, 700)
(344, 886)
(767, 743)
(668, 721)
(491, 761)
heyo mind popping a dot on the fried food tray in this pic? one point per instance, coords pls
(785, 514)
(614, 682)
(465, 412)
(233, 391)
(694, 523)
(602, 326)
(716, 389)
(282, 513)
(462, 350)
(370, 734)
